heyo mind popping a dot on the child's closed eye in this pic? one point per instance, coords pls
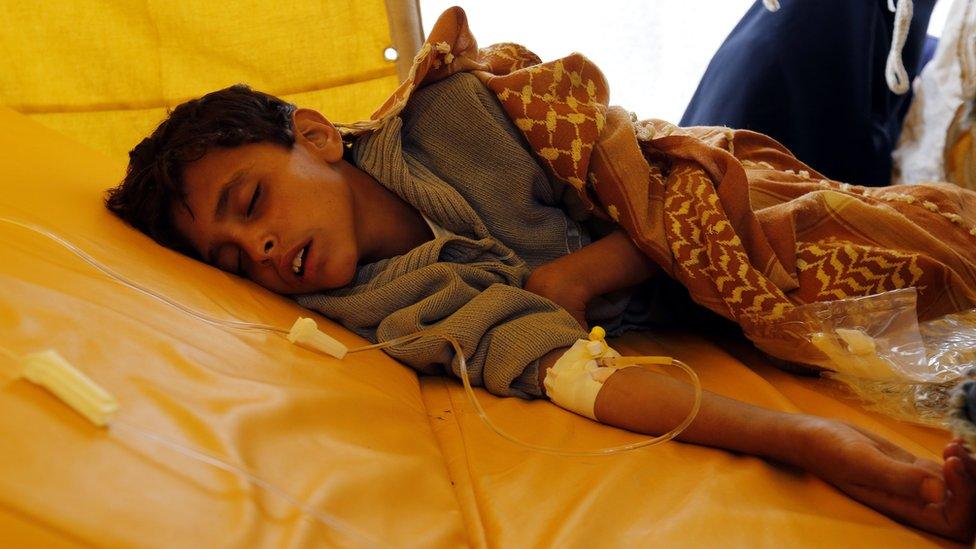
(254, 201)
(239, 270)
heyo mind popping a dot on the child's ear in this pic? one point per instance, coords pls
(314, 131)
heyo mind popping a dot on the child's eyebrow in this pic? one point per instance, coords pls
(225, 190)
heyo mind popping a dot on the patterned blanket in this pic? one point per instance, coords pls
(751, 231)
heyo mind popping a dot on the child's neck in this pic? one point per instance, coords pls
(386, 226)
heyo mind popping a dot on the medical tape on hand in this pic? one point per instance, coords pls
(576, 379)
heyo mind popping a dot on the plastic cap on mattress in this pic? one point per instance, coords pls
(51, 371)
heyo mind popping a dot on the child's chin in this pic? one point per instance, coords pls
(336, 276)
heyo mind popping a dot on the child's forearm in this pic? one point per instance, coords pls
(940, 499)
(642, 401)
(609, 264)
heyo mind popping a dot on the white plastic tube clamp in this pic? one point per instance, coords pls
(305, 332)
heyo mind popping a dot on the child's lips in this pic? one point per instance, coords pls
(289, 262)
(306, 263)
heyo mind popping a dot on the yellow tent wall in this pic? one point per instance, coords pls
(105, 72)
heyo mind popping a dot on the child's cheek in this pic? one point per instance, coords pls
(338, 266)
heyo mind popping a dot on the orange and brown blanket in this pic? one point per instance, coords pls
(751, 231)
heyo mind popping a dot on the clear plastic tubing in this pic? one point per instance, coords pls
(120, 428)
(463, 366)
(239, 325)
(235, 324)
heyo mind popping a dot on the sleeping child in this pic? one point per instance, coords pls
(444, 215)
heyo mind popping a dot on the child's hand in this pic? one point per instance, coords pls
(878, 473)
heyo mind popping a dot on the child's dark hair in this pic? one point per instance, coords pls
(153, 181)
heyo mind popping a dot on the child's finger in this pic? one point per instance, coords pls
(957, 449)
(902, 479)
(957, 478)
(968, 462)
(931, 517)
(910, 510)
(962, 499)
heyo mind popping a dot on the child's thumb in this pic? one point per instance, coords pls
(907, 480)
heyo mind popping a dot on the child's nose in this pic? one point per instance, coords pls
(262, 248)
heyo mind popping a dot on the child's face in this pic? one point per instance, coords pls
(257, 206)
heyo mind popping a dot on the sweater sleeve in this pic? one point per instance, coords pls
(501, 328)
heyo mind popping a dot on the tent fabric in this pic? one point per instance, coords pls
(105, 72)
(401, 459)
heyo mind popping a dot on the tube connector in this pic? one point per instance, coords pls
(305, 332)
(51, 371)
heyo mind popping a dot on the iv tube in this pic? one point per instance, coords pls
(405, 339)
(463, 367)
(9, 354)
(459, 354)
(140, 288)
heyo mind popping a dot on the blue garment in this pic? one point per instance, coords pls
(812, 76)
(969, 389)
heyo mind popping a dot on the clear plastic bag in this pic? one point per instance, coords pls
(872, 337)
(876, 348)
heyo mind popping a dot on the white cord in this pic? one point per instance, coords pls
(895, 73)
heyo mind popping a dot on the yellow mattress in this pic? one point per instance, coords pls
(380, 456)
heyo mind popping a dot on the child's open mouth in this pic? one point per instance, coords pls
(298, 264)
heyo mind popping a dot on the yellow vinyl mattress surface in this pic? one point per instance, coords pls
(385, 456)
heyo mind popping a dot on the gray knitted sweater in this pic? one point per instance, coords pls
(455, 156)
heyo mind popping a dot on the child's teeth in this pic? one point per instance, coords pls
(296, 264)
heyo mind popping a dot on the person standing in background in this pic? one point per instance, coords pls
(812, 76)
